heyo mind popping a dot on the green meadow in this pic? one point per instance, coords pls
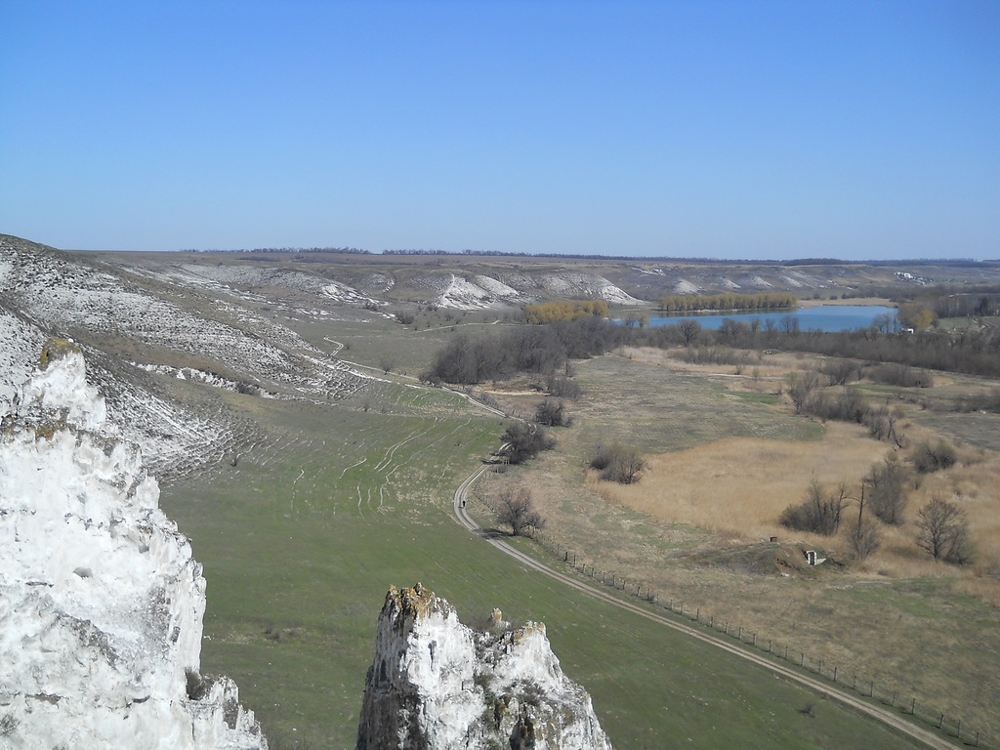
(304, 530)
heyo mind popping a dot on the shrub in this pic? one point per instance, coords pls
(847, 405)
(899, 375)
(818, 513)
(881, 423)
(943, 532)
(709, 355)
(525, 441)
(563, 387)
(886, 484)
(515, 508)
(839, 371)
(404, 317)
(552, 414)
(618, 463)
(929, 458)
(864, 539)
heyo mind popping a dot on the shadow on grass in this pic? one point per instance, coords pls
(492, 533)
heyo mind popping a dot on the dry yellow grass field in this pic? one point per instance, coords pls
(692, 528)
(739, 486)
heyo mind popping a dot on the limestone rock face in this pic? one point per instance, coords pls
(435, 684)
(101, 603)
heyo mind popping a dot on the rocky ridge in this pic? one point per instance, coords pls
(101, 602)
(436, 684)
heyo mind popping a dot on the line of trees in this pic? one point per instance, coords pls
(965, 351)
(767, 301)
(541, 349)
(564, 310)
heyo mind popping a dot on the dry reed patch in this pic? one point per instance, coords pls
(739, 486)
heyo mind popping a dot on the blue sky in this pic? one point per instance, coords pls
(856, 130)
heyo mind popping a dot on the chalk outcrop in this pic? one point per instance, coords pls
(436, 684)
(101, 602)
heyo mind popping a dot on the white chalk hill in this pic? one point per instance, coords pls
(101, 602)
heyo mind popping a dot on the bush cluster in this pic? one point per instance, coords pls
(618, 463)
(928, 458)
(819, 513)
(525, 441)
(542, 349)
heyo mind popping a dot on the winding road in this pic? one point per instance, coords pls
(886, 716)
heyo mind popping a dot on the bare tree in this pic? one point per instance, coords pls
(525, 441)
(886, 483)
(839, 371)
(864, 537)
(819, 513)
(800, 388)
(689, 330)
(943, 532)
(552, 414)
(929, 458)
(515, 508)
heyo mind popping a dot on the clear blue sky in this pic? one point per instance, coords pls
(743, 129)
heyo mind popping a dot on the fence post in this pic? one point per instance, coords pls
(871, 689)
(740, 634)
(913, 705)
(754, 639)
(834, 674)
(941, 721)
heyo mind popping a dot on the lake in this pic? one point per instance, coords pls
(819, 318)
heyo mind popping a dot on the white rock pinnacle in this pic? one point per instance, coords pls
(437, 685)
(101, 603)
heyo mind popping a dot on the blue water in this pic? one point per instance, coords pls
(819, 318)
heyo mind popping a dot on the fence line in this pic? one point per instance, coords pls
(949, 726)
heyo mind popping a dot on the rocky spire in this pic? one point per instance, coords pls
(101, 603)
(435, 684)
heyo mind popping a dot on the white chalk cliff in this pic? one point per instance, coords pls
(435, 684)
(101, 603)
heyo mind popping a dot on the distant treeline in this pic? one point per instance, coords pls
(981, 303)
(696, 303)
(346, 250)
(564, 310)
(415, 252)
(544, 349)
(970, 352)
